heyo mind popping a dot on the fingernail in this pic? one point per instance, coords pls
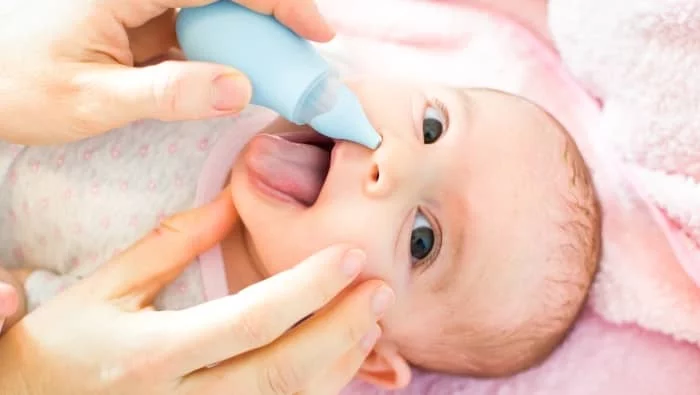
(370, 339)
(231, 92)
(381, 301)
(353, 262)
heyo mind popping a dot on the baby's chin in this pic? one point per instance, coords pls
(241, 262)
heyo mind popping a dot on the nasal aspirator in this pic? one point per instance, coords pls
(287, 74)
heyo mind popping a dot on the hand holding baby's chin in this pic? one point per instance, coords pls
(240, 343)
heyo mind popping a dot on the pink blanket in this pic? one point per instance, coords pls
(624, 82)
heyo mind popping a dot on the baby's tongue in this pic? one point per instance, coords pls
(293, 169)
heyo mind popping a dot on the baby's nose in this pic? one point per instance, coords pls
(384, 170)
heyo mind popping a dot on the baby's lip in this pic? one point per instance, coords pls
(333, 157)
(307, 136)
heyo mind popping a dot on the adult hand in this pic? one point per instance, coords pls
(102, 336)
(66, 69)
(11, 301)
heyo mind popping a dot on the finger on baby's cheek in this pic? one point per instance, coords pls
(333, 303)
(302, 321)
(329, 306)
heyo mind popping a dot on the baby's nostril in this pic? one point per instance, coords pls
(375, 173)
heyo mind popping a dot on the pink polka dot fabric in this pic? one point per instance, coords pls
(69, 209)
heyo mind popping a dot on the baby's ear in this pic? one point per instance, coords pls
(385, 368)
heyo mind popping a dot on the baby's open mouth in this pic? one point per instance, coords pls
(292, 165)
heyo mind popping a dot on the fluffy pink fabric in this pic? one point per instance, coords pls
(627, 88)
(598, 358)
(641, 59)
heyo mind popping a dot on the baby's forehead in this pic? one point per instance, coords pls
(521, 108)
(416, 87)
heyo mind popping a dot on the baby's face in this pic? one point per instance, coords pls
(458, 210)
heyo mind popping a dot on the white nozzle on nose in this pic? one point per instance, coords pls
(347, 121)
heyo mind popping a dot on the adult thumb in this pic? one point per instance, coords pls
(168, 91)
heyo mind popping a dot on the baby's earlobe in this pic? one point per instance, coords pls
(385, 368)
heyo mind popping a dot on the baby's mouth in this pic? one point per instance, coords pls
(290, 166)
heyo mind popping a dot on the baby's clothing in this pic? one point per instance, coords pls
(67, 209)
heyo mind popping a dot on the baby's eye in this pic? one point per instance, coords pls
(433, 124)
(422, 238)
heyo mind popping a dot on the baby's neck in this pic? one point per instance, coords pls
(240, 263)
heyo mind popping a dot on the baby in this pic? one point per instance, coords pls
(477, 209)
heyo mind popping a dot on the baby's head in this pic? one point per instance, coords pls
(477, 209)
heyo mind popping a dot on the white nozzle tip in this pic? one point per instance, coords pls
(371, 141)
(347, 121)
(357, 130)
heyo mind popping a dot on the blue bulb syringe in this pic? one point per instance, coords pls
(287, 74)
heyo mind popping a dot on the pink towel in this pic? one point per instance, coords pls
(626, 87)
(641, 59)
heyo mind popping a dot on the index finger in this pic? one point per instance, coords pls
(221, 329)
(296, 361)
(301, 16)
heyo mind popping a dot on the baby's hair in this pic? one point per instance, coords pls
(569, 286)
(566, 289)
